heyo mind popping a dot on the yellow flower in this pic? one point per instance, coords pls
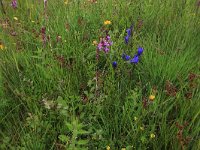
(108, 148)
(135, 118)
(152, 136)
(151, 97)
(123, 148)
(1, 46)
(107, 22)
(66, 2)
(32, 21)
(94, 42)
(15, 18)
(142, 128)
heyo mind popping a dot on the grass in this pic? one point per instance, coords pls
(52, 97)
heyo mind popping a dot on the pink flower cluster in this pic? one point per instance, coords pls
(105, 44)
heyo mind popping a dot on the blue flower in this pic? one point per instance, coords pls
(126, 39)
(140, 51)
(135, 59)
(128, 32)
(126, 57)
(114, 64)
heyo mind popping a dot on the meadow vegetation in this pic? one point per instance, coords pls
(99, 74)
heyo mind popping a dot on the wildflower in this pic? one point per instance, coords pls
(107, 37)
(142, 128)
(94, 42)
(107, 22)
(135, 59)
(126, 57)
(14, 3)
(32, 21)
(114, 64)
(66, 2)
(108, 148)
(106, 49)
(152, 136)
(100, 45)
(15, 18)
(104, 44)
(151, 97)
(128, 31)
(126, 39)
(1, 46)
(123, 148)
(140, 51)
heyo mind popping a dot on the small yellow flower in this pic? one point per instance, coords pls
(32, 21)
(142, 128)
(1, 46)
(66, 2)
(151, 97)
(135, 118)
(107, 22)
(123, 148)
(94, 42)
(15, 18)
(108, 148)
(152, 136)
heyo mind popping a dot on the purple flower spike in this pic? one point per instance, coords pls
(135, 59)
(104, 44)
(106, 49)
(14, 3)
(107, 37)
(140, 51)
(100, 46)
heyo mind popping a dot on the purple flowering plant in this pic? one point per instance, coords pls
(105, 44)
(14, 3)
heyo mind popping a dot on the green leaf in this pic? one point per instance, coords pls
(83, 132)
(82, 142)
(69, 126)
(64, 138)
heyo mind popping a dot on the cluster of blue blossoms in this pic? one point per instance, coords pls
(126, 57)
(135, 59)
